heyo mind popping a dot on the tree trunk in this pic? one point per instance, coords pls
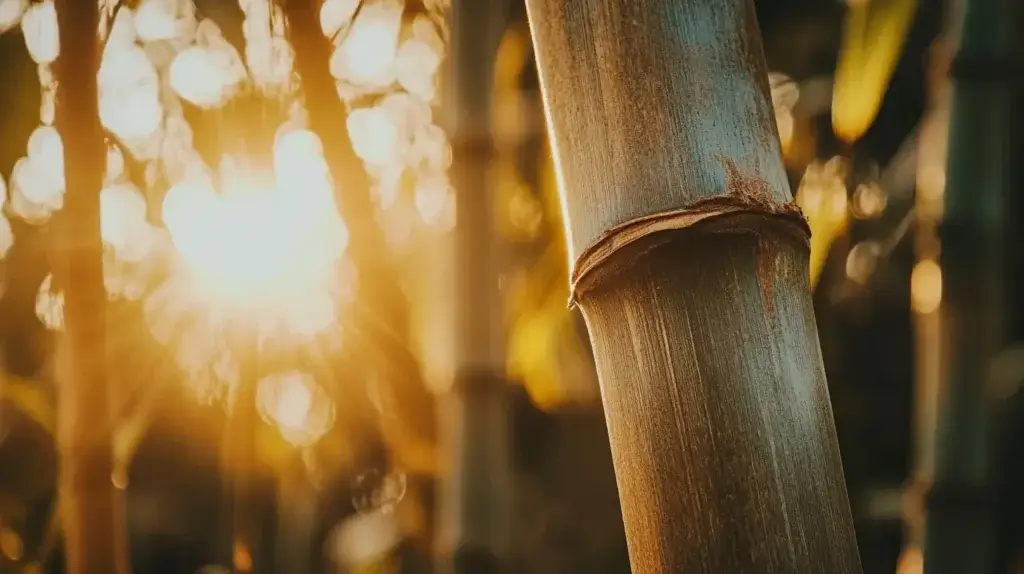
(691, 269)
(959, 533)
(474, 498)
(91, 508)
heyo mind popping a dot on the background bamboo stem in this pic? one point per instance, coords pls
(690, 266)
(90, 507)
(474, 497)
(959, 531)
(383, 312)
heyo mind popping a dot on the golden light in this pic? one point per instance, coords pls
(46, 154)
(50, 305)
(242, 558)
(416, 65)
(785, 123)
(336, 14)
(129, 88)
(926, 286)
(10, 13)
(39, 26)
(368, 54)
(197, 77)
(239, 240)
(301, 173)
(11, 545)
(869, 201)
(911, 561)
(374, 134)
(785, 94)
(258, 251)
(363, 539)
(156, 20)
(433, 197)
(270, 63)
(862, 260)
(34, 187)
(296, 405)
(6, 236)
(122, 213)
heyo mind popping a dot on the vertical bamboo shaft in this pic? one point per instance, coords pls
(473, 529)
(91, 508)
(959, 535)
(296, 519)
(248, 555)
(383, 312)
(690, 266)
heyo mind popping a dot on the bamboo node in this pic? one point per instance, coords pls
(747, 205)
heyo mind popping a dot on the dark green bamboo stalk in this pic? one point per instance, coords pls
(91, 509)
(959, 536)
(691, 269)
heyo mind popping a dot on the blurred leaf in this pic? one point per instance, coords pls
(825, 228)
(873, 37)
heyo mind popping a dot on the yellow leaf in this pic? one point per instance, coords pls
(873, 37)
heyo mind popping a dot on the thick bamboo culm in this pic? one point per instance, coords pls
(91, 509)
(690, 265)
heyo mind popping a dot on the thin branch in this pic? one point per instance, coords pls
(111, 18)
(337, 38)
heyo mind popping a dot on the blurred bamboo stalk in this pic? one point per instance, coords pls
(91, 508)
(959, 534)
(474, 496)
(384, 308)
(240, 457)
(691, 269)
(296, 518)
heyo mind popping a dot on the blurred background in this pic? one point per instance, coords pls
(860, 91)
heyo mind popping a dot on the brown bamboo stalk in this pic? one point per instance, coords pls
(691, 269)
(384, 314)
(90, 507)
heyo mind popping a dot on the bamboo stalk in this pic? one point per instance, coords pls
(90, 507)
(384, 309)
(959, 527)
(691, 269)
(473, 500)
(247, 553)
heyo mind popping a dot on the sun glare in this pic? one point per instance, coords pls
(206, 246)
(252, 247)
(296, 405)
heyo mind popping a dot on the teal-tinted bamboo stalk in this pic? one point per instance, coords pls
(474, 509)
(959, 526)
